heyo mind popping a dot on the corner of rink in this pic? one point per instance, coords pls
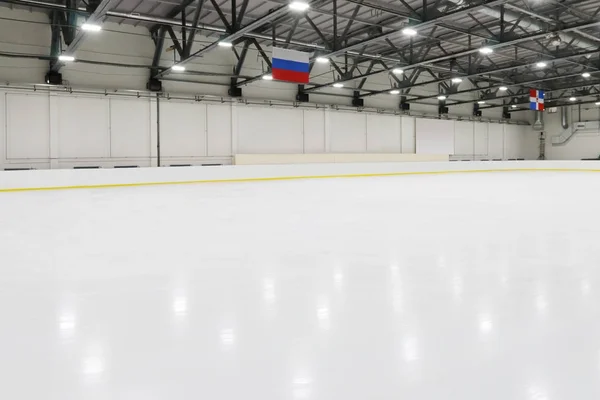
(31, 180)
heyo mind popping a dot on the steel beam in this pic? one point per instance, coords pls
(190, 41)
(240, 63)
(472, 51)
(173, 13)
(471, 8)
(95, 17)
(233, 36)
(158, 49)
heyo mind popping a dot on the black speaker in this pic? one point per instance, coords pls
(154, 85)
(443, 110)
(302, 97)
(54, 78)
(505, 115)
(477, 113)
(235, 92)
(358, 102)
(405, 106)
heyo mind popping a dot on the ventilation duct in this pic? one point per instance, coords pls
(564, 117)
(538, 125)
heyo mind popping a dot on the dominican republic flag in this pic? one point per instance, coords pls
(290, 65)
(536, 100)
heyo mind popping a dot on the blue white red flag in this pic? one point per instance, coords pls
(536, 99)
(290, 65)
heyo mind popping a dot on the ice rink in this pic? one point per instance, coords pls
(453, 287)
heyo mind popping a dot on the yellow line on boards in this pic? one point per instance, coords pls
(286, 178)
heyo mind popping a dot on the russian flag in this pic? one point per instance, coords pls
(536, 99)
(290, 65)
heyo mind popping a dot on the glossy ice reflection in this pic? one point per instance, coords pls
(423, 288)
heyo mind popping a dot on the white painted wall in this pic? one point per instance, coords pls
(62, 130)
(469, 140)
(582, 144)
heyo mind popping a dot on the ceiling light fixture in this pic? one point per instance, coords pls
(586, 74)
(225, 44)
(398, 71)
(503, 88)
(597, 103)
(299, 6)
(338, 85)
(481, 102)
(268, 77)
(66, 58)
(178, 68)
(514, 106)
(456, 80)
(409, 32)
(486, 50)
(442, 97)
(572, 98)
(395, 91)
(541, 64)
(322, 60)
(91, 27)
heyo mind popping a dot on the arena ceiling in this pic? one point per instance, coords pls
(545, 44)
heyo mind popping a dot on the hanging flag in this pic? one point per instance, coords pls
(536, 99)
(290, 65)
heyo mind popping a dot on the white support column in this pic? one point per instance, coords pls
(2, 130)
(234, 129)
(153, 132)
(328, 130)
(54, 104)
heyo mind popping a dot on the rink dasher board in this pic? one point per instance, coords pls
(269, 173)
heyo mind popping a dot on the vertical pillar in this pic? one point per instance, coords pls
(54, 131)
(2, 130)
(328, 130)
(234, 130)
(152, 154)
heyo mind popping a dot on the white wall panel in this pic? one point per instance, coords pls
(348, 132)
(435, 136)
(531, 143)
(496, 141)
(269, 130)
(182, 129)
(384, 133)
(480, 145)
(82, 127)
(27, 126)
(129, 128)
(463, 138)
(3, 117)
(408, 135)
(513, 140)
(314, 131)
(219, 130)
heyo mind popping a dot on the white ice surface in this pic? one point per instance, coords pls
(464, 287)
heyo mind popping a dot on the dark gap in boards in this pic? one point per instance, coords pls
(126, 166)
(180, 165)
(90, 167)
(18, 169)
(211, 165)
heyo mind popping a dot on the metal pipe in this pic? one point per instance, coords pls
(538, 125)
(564, 117)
